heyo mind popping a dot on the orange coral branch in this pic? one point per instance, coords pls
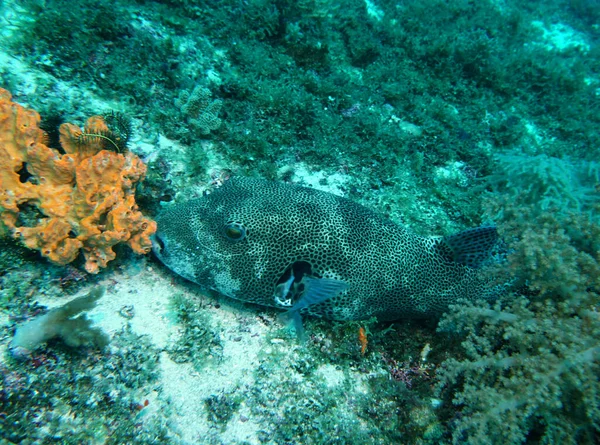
(64, 204)
(362, 339)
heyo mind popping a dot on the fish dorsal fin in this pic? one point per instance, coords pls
(470, 247)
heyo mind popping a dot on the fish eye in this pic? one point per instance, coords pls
(235, 231)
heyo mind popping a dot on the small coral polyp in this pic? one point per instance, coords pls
(84, 199)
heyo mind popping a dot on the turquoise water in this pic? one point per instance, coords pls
(439, 115)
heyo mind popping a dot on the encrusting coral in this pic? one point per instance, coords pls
(67, 322)
(61, 204)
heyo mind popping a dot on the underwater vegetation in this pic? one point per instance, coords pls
(528, 371)
(441, 115)
(81, 397)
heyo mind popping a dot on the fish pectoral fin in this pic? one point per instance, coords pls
(316, 290)
(470, 247)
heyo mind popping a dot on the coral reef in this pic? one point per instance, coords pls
(61, 204)
(202, 113)
(66, 396)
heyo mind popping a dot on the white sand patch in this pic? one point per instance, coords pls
(318, 179)
(188, 389)
(333, 377)
(560, 36)
(147, 296)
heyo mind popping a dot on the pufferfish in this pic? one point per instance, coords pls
(312, 252)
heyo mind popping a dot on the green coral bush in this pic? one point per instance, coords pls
(530, 365)
(200, 110)
(525, 374)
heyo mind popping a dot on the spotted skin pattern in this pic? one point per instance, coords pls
(251, 235)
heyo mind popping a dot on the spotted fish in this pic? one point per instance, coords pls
(312, 252)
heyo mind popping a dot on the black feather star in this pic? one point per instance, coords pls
(116, 136)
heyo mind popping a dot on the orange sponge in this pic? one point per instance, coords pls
(64, 204)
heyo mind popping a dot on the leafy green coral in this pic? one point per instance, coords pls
(200, 111)
(547, 181)
(529, 366)
(529, 370)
